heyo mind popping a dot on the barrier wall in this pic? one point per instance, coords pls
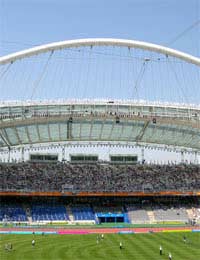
(100, 194)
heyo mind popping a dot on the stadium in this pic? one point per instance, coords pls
(100, 136)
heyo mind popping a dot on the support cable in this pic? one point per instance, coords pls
(178, 83)
(41, 76)
(6, 70)
(183, 32)
(140, 76)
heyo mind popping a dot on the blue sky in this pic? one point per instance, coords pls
(34, 22)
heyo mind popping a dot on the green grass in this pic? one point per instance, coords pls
(84, 247)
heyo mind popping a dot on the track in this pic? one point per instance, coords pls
(79, 231)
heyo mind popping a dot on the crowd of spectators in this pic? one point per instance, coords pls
(98, 177)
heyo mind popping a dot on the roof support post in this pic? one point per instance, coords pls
(195, 157)
(9, 151)
(142, 154)
(182, 156)
(22, 154)
(63, 153)
(69, 129)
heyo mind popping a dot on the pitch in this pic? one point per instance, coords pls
(85, 247)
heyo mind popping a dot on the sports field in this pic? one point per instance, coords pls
(85, 247)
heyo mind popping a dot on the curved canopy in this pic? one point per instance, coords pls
(101, 121)
(99, 42)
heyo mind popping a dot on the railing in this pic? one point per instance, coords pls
(97, 102)
(99, 194)
(184, 115)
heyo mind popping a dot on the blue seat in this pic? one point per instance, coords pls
(45, 212)
(83, 213)
(11, 212)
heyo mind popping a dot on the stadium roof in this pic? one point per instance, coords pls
(99, 120)
(32, 122)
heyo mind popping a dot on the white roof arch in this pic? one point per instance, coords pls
(99, 42)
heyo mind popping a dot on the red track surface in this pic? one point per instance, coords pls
(100, 230)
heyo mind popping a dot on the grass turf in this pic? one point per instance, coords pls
(85, 247)
(66, 225)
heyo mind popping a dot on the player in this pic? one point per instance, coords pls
(120, 245)
(33, 243)
(170, 256)
(184, 239)
(97, 239)
(160, 250)
(6, 247)
(102, 236)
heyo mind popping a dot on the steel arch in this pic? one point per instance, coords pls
(99, 42)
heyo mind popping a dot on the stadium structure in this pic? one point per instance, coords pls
(76, 120)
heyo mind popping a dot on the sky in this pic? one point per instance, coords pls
(24, 23)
